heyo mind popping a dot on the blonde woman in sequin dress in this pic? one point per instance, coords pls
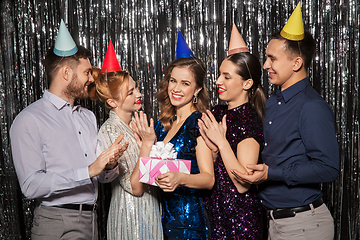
(130, 216)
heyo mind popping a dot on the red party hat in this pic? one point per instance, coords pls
(110, 64)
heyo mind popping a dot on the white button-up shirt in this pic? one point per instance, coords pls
(52, 145)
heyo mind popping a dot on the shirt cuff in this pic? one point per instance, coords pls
(275, 174)
(109, 175)
(83, 175)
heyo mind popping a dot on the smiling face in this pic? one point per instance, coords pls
(182, 87)
(132, 101)
(231, 84)
(80, 80)
(279, 64)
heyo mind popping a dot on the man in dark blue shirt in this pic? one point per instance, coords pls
(301, 149)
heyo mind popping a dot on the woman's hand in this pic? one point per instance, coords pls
(214, 149)
(169, 181)
(213, 131)
(143, 132)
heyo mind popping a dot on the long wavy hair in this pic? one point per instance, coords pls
(248, 66)
(108, 86)
(198, 70)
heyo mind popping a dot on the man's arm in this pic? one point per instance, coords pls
(35, 181)
(110, 172)
(321, 162)
(317, 131)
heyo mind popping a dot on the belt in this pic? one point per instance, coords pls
(83, 207)
(291, 212)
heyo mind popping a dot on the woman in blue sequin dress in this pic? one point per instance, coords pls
(235, 131)
(183, 98)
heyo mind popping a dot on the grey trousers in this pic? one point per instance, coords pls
(316, 224)
(59, 223)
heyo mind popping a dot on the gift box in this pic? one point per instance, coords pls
(161, 160)
(152, 167)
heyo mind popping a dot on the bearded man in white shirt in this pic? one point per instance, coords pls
(56, 155)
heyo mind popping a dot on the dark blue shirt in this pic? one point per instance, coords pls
(301, 149)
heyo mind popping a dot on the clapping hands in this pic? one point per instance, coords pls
(212, 131)
(108, 158)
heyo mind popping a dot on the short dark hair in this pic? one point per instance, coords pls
(53, 62)
(307, 46)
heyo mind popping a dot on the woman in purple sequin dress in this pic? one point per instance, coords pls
(235, 132)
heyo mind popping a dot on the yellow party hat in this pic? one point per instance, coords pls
(294, 29)
(237, 43)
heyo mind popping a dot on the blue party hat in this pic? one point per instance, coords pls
(182, 49)
(64, 45)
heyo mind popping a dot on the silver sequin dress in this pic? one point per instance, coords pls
(130, 217)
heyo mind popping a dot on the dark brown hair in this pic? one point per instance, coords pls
(198, 70)
(108, 86)
(305, 48)
(248, 66)
(52, 62)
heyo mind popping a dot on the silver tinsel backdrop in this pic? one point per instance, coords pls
(144, 35)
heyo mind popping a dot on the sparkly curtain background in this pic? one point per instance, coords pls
(144, 34)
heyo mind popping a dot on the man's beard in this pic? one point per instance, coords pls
(75, 90)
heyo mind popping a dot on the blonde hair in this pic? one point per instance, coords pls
(108, 86)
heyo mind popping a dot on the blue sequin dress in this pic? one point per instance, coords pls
(184, 215)
(235, 215)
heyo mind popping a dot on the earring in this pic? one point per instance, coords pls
(195, 100)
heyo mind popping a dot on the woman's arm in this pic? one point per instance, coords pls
(204, 180)
(247, 153)
(147, 137)
(247, 150)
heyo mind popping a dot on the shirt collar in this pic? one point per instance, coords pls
(58, 102)
(291, 91)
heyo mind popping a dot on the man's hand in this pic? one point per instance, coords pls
(258, 174)
(108, 158)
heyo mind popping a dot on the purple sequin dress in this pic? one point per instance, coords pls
(235, 215)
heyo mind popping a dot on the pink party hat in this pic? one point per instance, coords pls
(110, 64)
(237, 43)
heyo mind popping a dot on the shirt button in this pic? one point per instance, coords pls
(85, 154)
(279, 103)
(265, 144)
(270, 122)
(79, 132)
